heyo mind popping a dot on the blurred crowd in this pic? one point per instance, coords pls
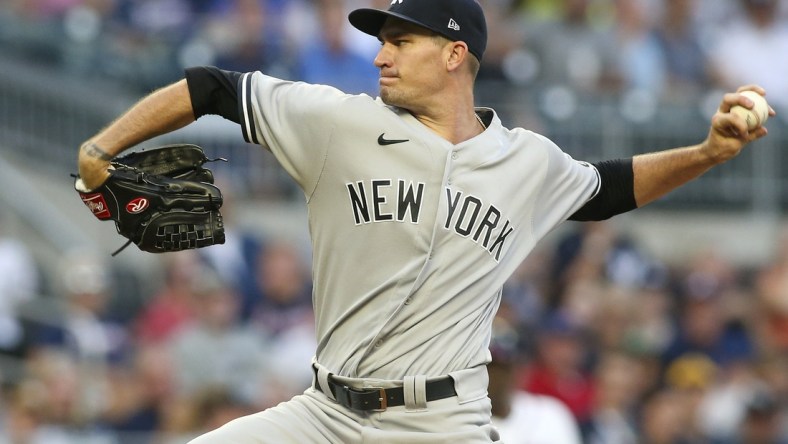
(607, 342)
(663, 48)
(633, 349)
(85, 358)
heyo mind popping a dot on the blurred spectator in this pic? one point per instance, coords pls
(612, 317)
(173, 304)
(598, 251)
(692, 378)
(330, 60)
(285, 291)
(506, 58)
(236, 260)
(771, 285)
(706, 322)
(723, 403)
(19, 283)
(559, 367)
(290, 373)
(79, 324)
(524, 298)
(651, 327)
(141, 391)
(665, 418)
(169, 20)
(239, 353)
(284, 314)
(215, 407)
(519, 416)
(640, 60)
(57, 403)
(143, 40)
(572, 50)
(207, 409)
(687, 66)
(618, 390)
(239, 35)
(772, 370)
(748, 51)
(763, 422)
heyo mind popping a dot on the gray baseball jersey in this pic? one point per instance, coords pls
(413, 237)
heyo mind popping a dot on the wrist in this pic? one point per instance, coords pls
(93, 165)
(91, 149)
(710, 156)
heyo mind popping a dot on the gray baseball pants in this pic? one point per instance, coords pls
(315, 418)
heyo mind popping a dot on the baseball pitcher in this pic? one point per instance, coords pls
(420, 207)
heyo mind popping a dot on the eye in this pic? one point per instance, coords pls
(394, 42)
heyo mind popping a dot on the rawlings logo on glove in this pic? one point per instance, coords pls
(96, 205)
(161, 199)
(137, 205)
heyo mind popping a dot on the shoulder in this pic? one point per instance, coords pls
(302, 98)
(515, 135)
(257, 81)
(531, 143)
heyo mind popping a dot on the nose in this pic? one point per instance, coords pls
(383, 59)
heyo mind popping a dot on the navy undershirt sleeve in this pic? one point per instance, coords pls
(616, 194)
(214, 91)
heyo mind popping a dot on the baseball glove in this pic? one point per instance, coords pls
(162, 199)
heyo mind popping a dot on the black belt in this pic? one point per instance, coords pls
(378, 399)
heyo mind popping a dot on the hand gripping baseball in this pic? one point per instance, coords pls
(161, 199)
(730, 131)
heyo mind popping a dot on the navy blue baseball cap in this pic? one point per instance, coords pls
(457, 20)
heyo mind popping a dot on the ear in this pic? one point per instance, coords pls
(457, 53)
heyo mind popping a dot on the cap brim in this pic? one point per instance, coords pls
(370, 21)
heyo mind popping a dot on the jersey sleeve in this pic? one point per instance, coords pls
(294, 120)
(567, 186)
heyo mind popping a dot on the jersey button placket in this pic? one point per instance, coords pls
(453, 156)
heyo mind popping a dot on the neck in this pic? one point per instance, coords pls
(455, 130)
(446, 107)
(455, 124)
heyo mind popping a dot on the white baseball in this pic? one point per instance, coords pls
(756, 116)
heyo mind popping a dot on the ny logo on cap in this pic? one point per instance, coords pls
(452, 24)
(396, 1)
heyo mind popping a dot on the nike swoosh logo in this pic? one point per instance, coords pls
(383, 141)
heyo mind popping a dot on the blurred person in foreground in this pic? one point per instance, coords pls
(519, 416)
(420, 207)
